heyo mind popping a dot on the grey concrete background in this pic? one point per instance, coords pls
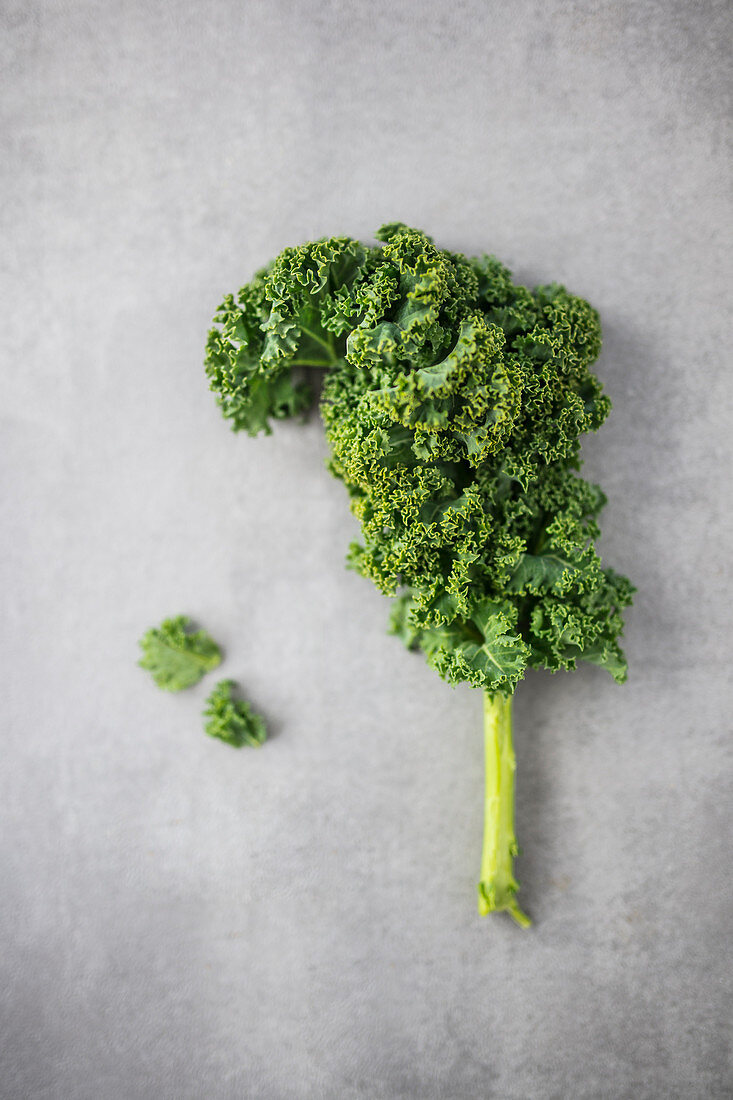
(180, 921)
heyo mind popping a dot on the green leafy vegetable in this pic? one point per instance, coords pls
(233, 720)
(176, 656)
(453, 402)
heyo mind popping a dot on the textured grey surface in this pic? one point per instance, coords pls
(179, 921)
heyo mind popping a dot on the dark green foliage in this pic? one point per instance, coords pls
(177, 657)
(232, 720)
(454, 404)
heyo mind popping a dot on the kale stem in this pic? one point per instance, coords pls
(326, 343)
(498, 888)
(311, 363)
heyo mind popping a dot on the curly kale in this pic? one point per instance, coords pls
(176, 656)
(454, 402)
(233, 720)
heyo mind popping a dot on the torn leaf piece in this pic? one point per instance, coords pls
(177, 657)
(233, 720)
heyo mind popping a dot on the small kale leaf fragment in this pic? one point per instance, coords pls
(233, 720)
(177, 656)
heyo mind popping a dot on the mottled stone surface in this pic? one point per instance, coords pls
(182, 922)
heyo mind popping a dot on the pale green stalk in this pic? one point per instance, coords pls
(498, 888)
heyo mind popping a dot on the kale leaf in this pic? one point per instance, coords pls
(454, 402)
